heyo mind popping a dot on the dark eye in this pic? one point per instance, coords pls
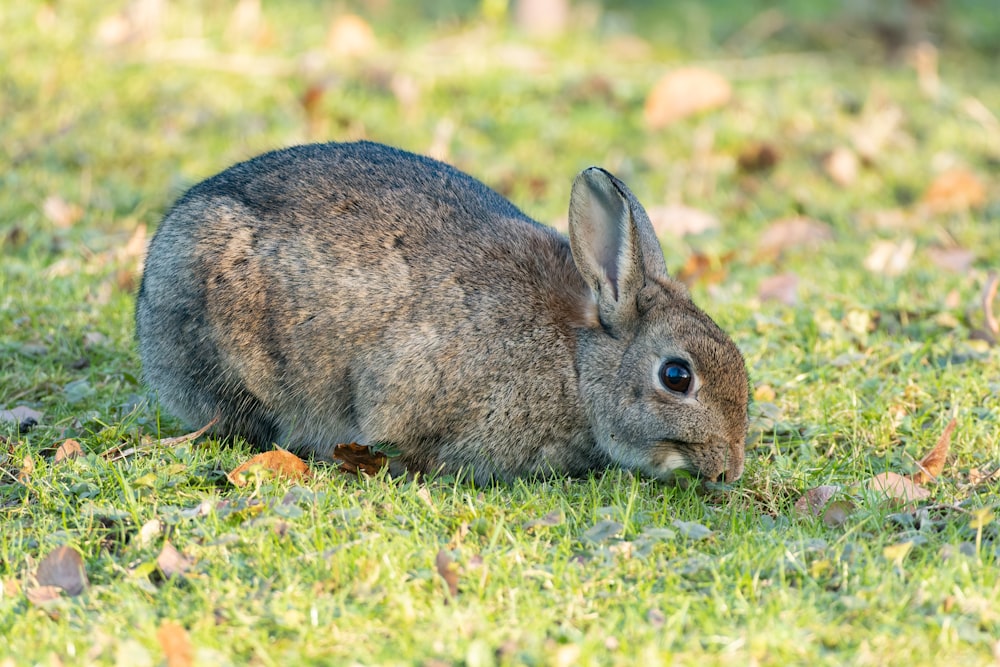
(675, 376)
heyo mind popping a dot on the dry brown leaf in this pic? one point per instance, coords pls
(27, 469)
(760, 156)
(176, 644)
(680, 220)
(685, 92)
(933, 462)
(795, 232)
(989, 294)
(841, 165)
(63, 567)
(352, 458)
(40, 595)
(70, 449)
(278, 461)
(897, 487)
(350, 36)
(956, 260)
(815, 500)
(957, 189)
(703, 268)
(21, 415)
(61, 213)
(837, 512)
(783, 288)
(890, 258)
(187, 437)
(448, 571)
(172, 563)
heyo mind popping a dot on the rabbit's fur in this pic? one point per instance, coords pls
(357, 293)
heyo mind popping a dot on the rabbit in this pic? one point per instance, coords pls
(354, 292)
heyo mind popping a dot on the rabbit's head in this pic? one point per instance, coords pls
(664, 386)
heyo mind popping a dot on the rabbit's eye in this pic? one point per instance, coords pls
(675, 376)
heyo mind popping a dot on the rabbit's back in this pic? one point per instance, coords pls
(339, 292)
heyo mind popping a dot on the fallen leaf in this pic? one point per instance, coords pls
(702, 268)
(692, 529)
(656, 617)
(874, 131)
(70, 449)
(350, 36)
(602, 531)
(760, 156)
(60, 212)
(40, 595)
(149, 532)
(23, 416)
(27, 469)
(924, 58)
(956, 189)
(897, 487)
(982, 517)
(448, 571)
(553, 518)
(278, 461)
(797, 232)
(680, 220)
(841, 165)
(814, 501)
(63, 568)
(989, 294)
(897, 552)
(542, 18)
(956, 260)
(764, 393)
(783, 288)
(176, 644)
(890, 258)
(685, 92)
(171, 562)
(353, 458)
(933, 463)
(837, 512)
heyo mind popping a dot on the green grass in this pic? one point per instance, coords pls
(866, 369)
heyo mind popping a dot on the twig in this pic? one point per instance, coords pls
(116, 453)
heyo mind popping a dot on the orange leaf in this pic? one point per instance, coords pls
(280, 462)
(933, 463)
(354, 457)
(955, 190)
(685, 92)
(68, 450)
(176, 644)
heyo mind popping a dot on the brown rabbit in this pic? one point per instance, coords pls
(357, 293)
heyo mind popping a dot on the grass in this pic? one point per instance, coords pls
(860, 376)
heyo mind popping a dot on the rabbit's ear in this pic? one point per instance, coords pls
(614, 246)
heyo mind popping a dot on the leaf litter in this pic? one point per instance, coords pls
(892, 488)
(61, 571)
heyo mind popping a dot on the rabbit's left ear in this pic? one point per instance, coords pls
(614, 246)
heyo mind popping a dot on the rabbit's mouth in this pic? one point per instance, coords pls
(668, 457)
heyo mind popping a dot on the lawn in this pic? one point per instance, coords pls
(836, 209)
